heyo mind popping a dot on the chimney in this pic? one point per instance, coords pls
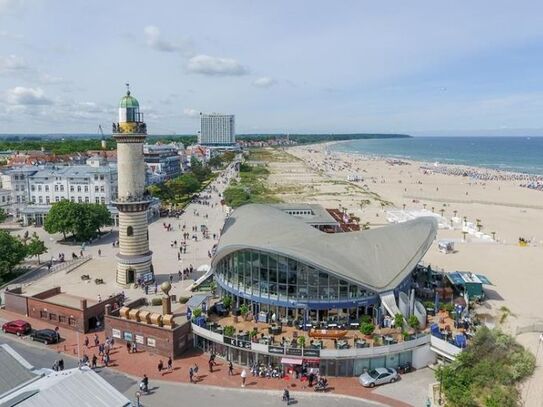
(108, 309)
(83, 304)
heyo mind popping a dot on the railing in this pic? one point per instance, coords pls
(419, 340)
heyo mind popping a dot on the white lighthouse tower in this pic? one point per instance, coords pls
(134, 260)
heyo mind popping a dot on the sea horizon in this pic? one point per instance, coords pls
(503, 153)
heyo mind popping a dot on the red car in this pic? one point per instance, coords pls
(18, 327)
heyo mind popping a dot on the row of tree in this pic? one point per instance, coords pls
(81, 220)
(13, 250)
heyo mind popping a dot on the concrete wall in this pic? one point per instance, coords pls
(16, 302)
(423, 356)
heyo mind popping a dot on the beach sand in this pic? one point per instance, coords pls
(319, 175)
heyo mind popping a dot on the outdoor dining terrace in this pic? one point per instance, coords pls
(314, 336)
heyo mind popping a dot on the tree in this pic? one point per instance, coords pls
(60, 218)
(199, 170)
(12, 252)
(83, 220)
(3, 215)
(36, 247)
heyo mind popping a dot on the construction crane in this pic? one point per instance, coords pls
(103, 139)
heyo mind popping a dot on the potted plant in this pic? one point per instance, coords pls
(229, 331)
(301, 341)
(367, 329)
(196, 313)
(227, 301)
(398, 320)
(413, 322)
(213, 288)
(253, 334)
(244, 311)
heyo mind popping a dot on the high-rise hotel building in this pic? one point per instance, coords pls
(217, 129)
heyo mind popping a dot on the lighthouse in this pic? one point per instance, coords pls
(134, 260)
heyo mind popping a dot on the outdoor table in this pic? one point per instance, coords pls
(332, 326)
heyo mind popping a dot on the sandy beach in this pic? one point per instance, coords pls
(504, 209)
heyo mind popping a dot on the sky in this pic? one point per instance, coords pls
(415, 67)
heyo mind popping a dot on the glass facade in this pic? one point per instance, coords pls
(265, 276)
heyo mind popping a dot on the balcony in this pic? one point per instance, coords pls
(128, 128)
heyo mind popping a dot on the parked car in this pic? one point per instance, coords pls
(220, 310)
(18, 327)
(46, 336)
(378, 376)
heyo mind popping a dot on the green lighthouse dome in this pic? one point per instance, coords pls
(129, 101)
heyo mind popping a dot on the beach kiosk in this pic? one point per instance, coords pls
(470, 283)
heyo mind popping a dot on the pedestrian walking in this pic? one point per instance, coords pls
(231, 369)
(160, 366)
(134, 347)
(86, 342)
(99, 252)
(191, 375)
(106, 359)
(243, 377)
(128, 347)
(94, 359)
(210, 366)
(170, 363)
(195, 371)
(96, 340)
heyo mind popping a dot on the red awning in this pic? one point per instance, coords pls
(291, 361)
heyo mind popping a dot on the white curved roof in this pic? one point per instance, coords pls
(379, 259)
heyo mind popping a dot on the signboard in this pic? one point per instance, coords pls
(294, 351)
(127, 336)
(148, 277)
(139, 339)
(238, 343)
(116, 333)
(312, 353)
(151, 342)
(276, 350)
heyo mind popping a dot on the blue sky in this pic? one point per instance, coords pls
(418, 67)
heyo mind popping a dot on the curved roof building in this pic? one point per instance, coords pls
(271, 257)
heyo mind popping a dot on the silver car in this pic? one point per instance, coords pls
(378, 376)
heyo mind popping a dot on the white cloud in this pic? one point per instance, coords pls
(21, 96)
(215, 66)
(193, 113)
(12, 63)
(155, 41)
(264, 82)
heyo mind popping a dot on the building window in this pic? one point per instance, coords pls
(103, 200)
(97, 200)
(43, 314)
(86, 199)
(56, 188)
(62, 319)
(129, 231)
(102, 188)
(79, 188)
(39, 188)
(86, 188)
(32, 188)
(62, 188)
(71, 188)
(79, 199)
(52, 317)
(40, 199)
(47, 188)
(96, 188)
(101, 177)
(47, 201)
(71, 321)
(57, 199)
(72, 199)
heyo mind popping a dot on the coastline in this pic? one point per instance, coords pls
(504, 210)
(517, 173)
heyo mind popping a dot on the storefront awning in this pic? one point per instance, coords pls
(291, 361)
